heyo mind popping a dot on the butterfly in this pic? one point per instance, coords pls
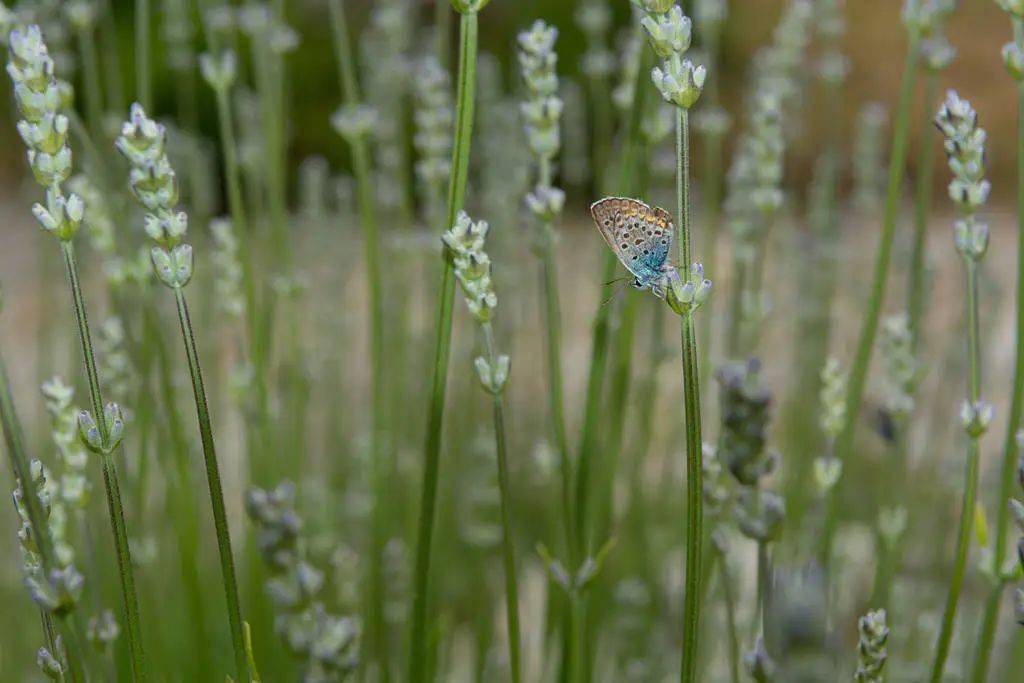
(640, 236)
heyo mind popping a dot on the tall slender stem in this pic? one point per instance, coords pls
(464, 109)
(111, 483)
(362, 167)
(554, 348)
(970, 494)
(508, 544)
(20, 464)
(922, 207)
(1011, 448)
(143, 75)
(220, 518)
(691, 410)
(883, 256)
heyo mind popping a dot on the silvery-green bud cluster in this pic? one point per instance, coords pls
(630, 48)
(47, 493)
(59, 591)
(102, 439)
(542, 110)
(469, 6)
(594, 18)
(754, 182)
(924, 16)
(41, 98)
(686, 296)
(869, 157)
(833, 398)
(936, 52)
(892, 523)
(654, 6)
(433, 120)
(827, 472)
(219, 71)
(830, 26)
(493, 377)
(745, 409)
(354, 121)
(227, 268)
(53, 666)
(778, 66)
(976, 416)
(715, 488)
(871, 647)
(1013, 58)
(74, 485)
(326, 644)
(965, 150)
(465, 242)
(760, 514)
(1014, 7)
(103, 630)
(98, 222)
(712, 121)
(143, 142)
(259, 22)
(669, 33)
(115, 363)
(546, 202)
(902, 368)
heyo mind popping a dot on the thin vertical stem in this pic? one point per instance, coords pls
(464, 109)
(91, 75)
(691, 410)
(362, 167)
(111, 483)
(922, 207)
(554, 349)
(970, 494)
(143, 76)
(883, 256)
(1011, 448)
(220, 519)
(10, 425)
(508, 544)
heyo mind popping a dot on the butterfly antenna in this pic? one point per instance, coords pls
(615, 293)
(618, 279)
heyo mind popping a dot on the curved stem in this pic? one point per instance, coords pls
(963, 543)
(464, 108)
(869, 326)
(220, 520)
(1010, 445)
(111, 484)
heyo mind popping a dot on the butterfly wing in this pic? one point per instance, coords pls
(639, 235)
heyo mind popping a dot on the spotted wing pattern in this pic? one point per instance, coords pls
(640, 235)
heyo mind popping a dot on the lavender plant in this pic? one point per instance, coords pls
(965, 149)
(154, 184)
(41, 98)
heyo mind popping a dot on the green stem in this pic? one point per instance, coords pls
(691, 405)
(922, 206)
(730, 619)
(143, 82)
(1010, 445)
(220, 520)
(554, 349)
(91, 75)
(971, 480)
(869, 326)
(442, 31)
(111, 482)
(464, 108)
(37, 516)
(508, 545)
